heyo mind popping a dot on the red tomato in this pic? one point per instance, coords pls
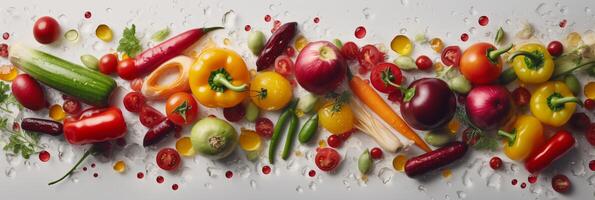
(168, 159)
(334, 141)
(28, 92)
(495, 162)
(264, 127)
(71, 106)
(234, 114)
(555, 48)
(108, 64)
(327, 159)
(423, 62)
(477, 66)
(451, 56)
(376, 153)
(561, 183)
(127, 69)
(350, 51)
(521, 96)
(136, 84)
(283, 65)
(369, 57)
(181, 108)
(46, 30)
(384, 76)
(149, 116)
(134, 101)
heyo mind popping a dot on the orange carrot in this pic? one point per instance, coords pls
(368, 96)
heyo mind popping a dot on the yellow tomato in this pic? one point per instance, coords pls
(270, 91)
(336, 119)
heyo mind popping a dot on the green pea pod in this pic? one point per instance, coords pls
(278, 129)
(438, 138)
(90, 62)
(252, 112)
(309, 129)
(364, 163)
(573, 84)
(293, 125)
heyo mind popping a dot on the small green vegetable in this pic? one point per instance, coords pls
(459, 84)
(438, 138)
(7, 99)
(213, 138)
(338, 43)
(252, 112)
(293, 125)
(160, 35)
(573, 84)
(507, 76)
(309, 129)
(499, 36)
(90, 61)
(278, 129)
(256, 40)
(307, 102)
(364, 163)
(129, 44)
(405, 63)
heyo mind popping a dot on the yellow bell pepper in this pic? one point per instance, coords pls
(526, 135)
(219, 78)
(553, 103)
(532, 63)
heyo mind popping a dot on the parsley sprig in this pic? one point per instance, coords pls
(19, 141)
(129, 44)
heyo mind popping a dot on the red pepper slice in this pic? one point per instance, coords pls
(95, 125)
(554, 148)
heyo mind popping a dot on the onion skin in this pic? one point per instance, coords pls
(489, 106)
(320, 67)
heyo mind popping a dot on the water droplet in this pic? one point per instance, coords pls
(134, 152)
(252, 184)
(494, 181)
(472, 11)
(514, 167)
(312, 185)
(542, 9)
(214, 172)
(208, 185)
(108, 10)
(591, 180)
(385, 174)
(299, 189)
(403, 30)
(461, 194)
(421, 188)
(10, 172)
(466, 179)
(404, 2)
(229, 19)
(564, 10)
(536, 189)
(578, 169)
(367, 13)
(360, 32)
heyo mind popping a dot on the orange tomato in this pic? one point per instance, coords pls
(181, 108)
(479, 67)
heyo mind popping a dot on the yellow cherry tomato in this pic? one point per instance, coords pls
(270, 91)
(336, 119)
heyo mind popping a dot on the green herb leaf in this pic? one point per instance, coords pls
(499, 36)
(486, 142)
(160, 35)
(129, 44)
(339, 100)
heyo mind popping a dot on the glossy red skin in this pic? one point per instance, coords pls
(49, 127)
(150, 116)
(108, 63)
(95, 125)
(554, 148)
(127, 69)
(134, 101)
(370, 56)
(555, 48)
(496, 103)
(327, 159)
(276, 45)
(71, 106)
(376, 77)
(317, 75)
(350, 51)
(46, 30)
(477, 67)
(168, 159)
(158, 132)
(177, 99)
(455, 52)
(28, 92)
(435, 159)
(423, 62)
(433, 105)
(234, 114)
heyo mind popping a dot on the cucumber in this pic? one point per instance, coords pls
(88, 86)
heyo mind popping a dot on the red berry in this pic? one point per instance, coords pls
(228, 174)
(350, 51)
(423, 62)
(376, 153)
(561, 183)
(589, 104)
(495, 162)
(555, 48)
(334, 141)
(266, 169)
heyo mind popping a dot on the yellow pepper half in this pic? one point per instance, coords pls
(526, 135)
(532, 63)
(553, 103)
(219, 78)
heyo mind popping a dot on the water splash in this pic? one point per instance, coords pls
(494, 181)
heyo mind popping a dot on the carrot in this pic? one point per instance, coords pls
(368, 96)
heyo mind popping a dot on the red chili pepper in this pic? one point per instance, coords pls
(159, 132)
(95, 125)
(151, 58)
(276, 45)
(554, 148)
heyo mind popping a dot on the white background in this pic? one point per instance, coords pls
(472, 178)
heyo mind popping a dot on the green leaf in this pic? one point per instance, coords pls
(160, 35)
(129, 44)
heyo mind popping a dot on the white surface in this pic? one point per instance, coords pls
(472, 178)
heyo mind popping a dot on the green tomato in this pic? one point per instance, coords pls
(438, 138)
(213, 138)
(405, 63)
(252, 112)
(256, 40)
(459, 84)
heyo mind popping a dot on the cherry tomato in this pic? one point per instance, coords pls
(590, 134)
(283, 65)
(181, 108)
(336, 119)
(136, 84)
(376, 153)
(270, 91)
(589, 104)
(290, 51)
(327, 159)
(28, 92)
(561, 183)
(126, 69)
(168, 159)
(350, 51)
(495, 162)
(451, 56)
(334, 141)
(475, 63)
(385, 76)
(234, 114)
(108, 63)
(555, 48)
(46, 30)
(521, 96)
(71, 106)
(150, 116)
(369, 57)
(423, 62)
(134, 101)
(264, 127)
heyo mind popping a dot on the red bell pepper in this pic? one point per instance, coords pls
(95, 125)
(151, 58)
(553, 149)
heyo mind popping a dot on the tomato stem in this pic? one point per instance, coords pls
(87, 153)
(494, 54)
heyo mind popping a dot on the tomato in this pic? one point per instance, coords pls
(350, 51)
(46, 30)
(451, 56)
(478, 65)
(369, 57)
(136, 84)
(521, 96)
(336, 119)
(590, 134)
(234, 114)
(385, 76)
(495, 162)
(108, 63)
(327, 159)
(71, 106)
(283, 65)
(423, 62)
(270, 91)
(134, 101)
(555, 48)
(181, 108)
(264, 127)
(334, 141)
(168, 159)
(28, 92)
(149, 116)
(376, 153)
(561, 183)
(126, 69)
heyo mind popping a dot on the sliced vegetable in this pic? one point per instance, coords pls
(365, 122)
(134, 101)
(154, 89)
(327, 159)
(150, 116)
(158, 132)
(234, 114)
(90, 61)
(276, 45)
(168, 159)
(451, 56)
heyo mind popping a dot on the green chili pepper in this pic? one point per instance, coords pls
(309, 129)
(278, 129)
(293, 125)
(573, 84)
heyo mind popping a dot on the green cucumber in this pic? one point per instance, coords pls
(88, 86)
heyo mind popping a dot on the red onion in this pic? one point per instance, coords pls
(320, 67)
(489, 106)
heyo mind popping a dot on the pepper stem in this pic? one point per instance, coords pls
(388, 77)
(560, 101)
(511, 137)
(535, 60)
(494, 54)
(221, 80)
(87, 153)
